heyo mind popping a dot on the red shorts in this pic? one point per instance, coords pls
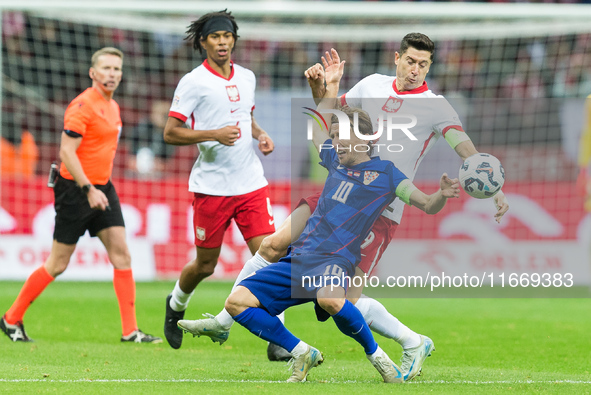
(212, 215)
(375, 243)
(311, 201)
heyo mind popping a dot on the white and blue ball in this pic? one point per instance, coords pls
(482, 176)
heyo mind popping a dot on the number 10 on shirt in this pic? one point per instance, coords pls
(343, 191)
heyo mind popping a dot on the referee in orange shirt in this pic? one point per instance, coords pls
(85, 198)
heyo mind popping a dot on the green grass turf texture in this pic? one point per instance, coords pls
(482, 346)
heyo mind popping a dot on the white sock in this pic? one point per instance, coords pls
(225, 319)
(384, 323)
(180, 300)
(252, 265)
(377, 353)
(300, 349)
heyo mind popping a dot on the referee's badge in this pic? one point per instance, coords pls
(233, 93)
(370, 176)
(200, 232)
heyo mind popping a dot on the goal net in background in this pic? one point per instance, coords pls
(516, 73)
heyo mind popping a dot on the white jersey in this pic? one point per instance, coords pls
(427, 117)
(205, 100)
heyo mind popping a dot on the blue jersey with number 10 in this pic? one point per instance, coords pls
(351, 201)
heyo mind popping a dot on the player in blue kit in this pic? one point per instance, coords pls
(324, 257)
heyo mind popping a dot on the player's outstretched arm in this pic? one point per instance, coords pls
(175, 133)
(466, 149)
(315, 77)
(333, 71)
(432, 204)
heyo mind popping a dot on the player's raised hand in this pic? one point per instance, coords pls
(266, 144)
(333, 66)
(315, 75)
(450, 187)
(228, 134)
(501, 204)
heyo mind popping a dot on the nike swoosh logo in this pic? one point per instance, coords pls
(232, 111)
(410, 369)
(358, 330)
(271, 221)
(313, 356)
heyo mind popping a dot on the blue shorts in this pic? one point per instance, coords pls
(296, 279)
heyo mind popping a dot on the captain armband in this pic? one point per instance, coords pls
(404, 190)
(455, 137)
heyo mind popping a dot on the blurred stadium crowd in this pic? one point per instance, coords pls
(44, 66)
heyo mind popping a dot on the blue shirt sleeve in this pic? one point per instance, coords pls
(396, 177)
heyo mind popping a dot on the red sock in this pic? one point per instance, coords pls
(125, 291)
(35, 284)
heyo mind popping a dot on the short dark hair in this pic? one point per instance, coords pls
(195, 29)
(418, 41)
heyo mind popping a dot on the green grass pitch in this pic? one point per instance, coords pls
(482, 346)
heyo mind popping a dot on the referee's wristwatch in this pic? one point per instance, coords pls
(86, 188)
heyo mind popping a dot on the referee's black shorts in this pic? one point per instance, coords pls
(73, 215)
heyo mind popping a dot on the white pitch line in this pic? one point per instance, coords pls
(477, 382)
(501, 382)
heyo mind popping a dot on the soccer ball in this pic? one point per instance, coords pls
(482, 176)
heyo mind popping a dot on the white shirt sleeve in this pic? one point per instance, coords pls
(186, 97)
(445, 116)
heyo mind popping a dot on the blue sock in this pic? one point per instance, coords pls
(350, 321)
(264, 325)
